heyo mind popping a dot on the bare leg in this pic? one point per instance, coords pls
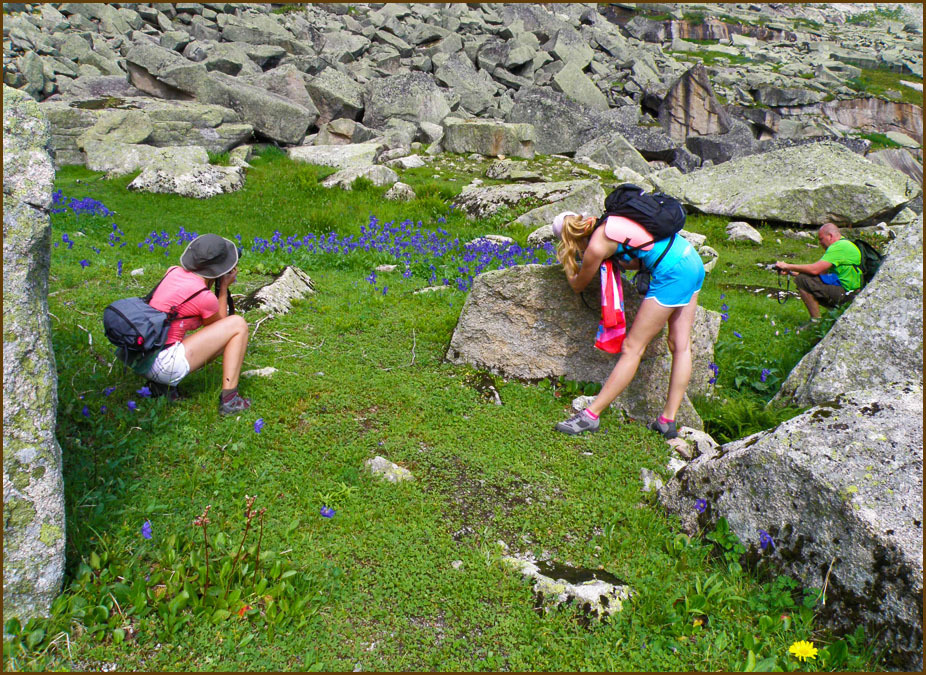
(650, 319)
(813, 307)
(229, 337)
(680, 324)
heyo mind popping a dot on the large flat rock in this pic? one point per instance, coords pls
(526, 322)
(809, 184)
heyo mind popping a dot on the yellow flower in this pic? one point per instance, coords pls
(803, 650)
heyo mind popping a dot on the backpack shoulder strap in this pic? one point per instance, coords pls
(176, 308)
(147, 298)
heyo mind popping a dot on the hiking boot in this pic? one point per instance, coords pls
(157, 390)
(578, 424)
(235, 405)
(667, 429)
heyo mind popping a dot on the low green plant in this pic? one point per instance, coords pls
(219, 158)
(573, 388)
(879, 141)
(736, 417)
(879, 82)
(729, 547)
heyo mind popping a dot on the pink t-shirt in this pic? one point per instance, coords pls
(176, 287)
(623, 230)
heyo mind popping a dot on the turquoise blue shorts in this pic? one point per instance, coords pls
(678, 276)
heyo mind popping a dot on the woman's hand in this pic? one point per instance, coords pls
(229, 278)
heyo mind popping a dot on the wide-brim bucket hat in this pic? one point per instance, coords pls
(210, 256)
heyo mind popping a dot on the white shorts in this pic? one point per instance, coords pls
(170, 366)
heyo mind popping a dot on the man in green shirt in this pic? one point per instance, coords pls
(831, 279)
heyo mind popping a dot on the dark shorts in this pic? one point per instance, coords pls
(830, 295)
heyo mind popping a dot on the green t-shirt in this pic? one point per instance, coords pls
(845, 258)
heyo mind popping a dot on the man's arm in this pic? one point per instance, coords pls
(816, 269)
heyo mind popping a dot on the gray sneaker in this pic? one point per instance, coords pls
(235, 405)
(667, 429)
(578, 424)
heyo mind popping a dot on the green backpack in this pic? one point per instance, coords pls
(871, 260)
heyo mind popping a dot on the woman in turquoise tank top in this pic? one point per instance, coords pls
(677, 275)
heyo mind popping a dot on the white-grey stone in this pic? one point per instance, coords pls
(740, 231)
(380, 466)
(400, 192)
(599, 598)
(277, 297)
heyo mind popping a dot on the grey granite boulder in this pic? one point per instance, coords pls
(412, 97)
(118, 126)
(339, 156)
(458, 74)
(526, 322)
(335, 95)
(33, 491)
(484, 201)
(170, 174)
(571, 81)
(690, 107)
(809, 184)
(615, 151)
(839, 489)
(117, 159)
(878, 339)
(488, 137)
(561, 125)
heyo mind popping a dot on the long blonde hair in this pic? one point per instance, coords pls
(575, 228)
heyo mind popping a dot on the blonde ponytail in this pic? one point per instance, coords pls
(575, 228)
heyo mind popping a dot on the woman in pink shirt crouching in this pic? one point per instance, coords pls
(208, 258)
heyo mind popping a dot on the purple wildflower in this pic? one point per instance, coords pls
(327, 512)
(144, 392)
(108, 391)
(85, 263)
(737, 335)
(258, 425)
(700, 505)
(765, 540)
(103, 409)
(85, 412)
(146, 530)
(132, 405)
(119, 268)
(765, 373)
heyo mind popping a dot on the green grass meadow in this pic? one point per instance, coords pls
(404, 576)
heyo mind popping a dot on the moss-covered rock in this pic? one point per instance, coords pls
(839, 489)
(33, 492)
(809, 184)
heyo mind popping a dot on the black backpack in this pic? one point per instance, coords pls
(136, 328)
(659, 214)
(871, 260)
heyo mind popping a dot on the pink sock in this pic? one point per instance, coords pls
(591, 414)
(663, 420)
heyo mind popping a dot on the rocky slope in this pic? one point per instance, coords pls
(773, 75)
